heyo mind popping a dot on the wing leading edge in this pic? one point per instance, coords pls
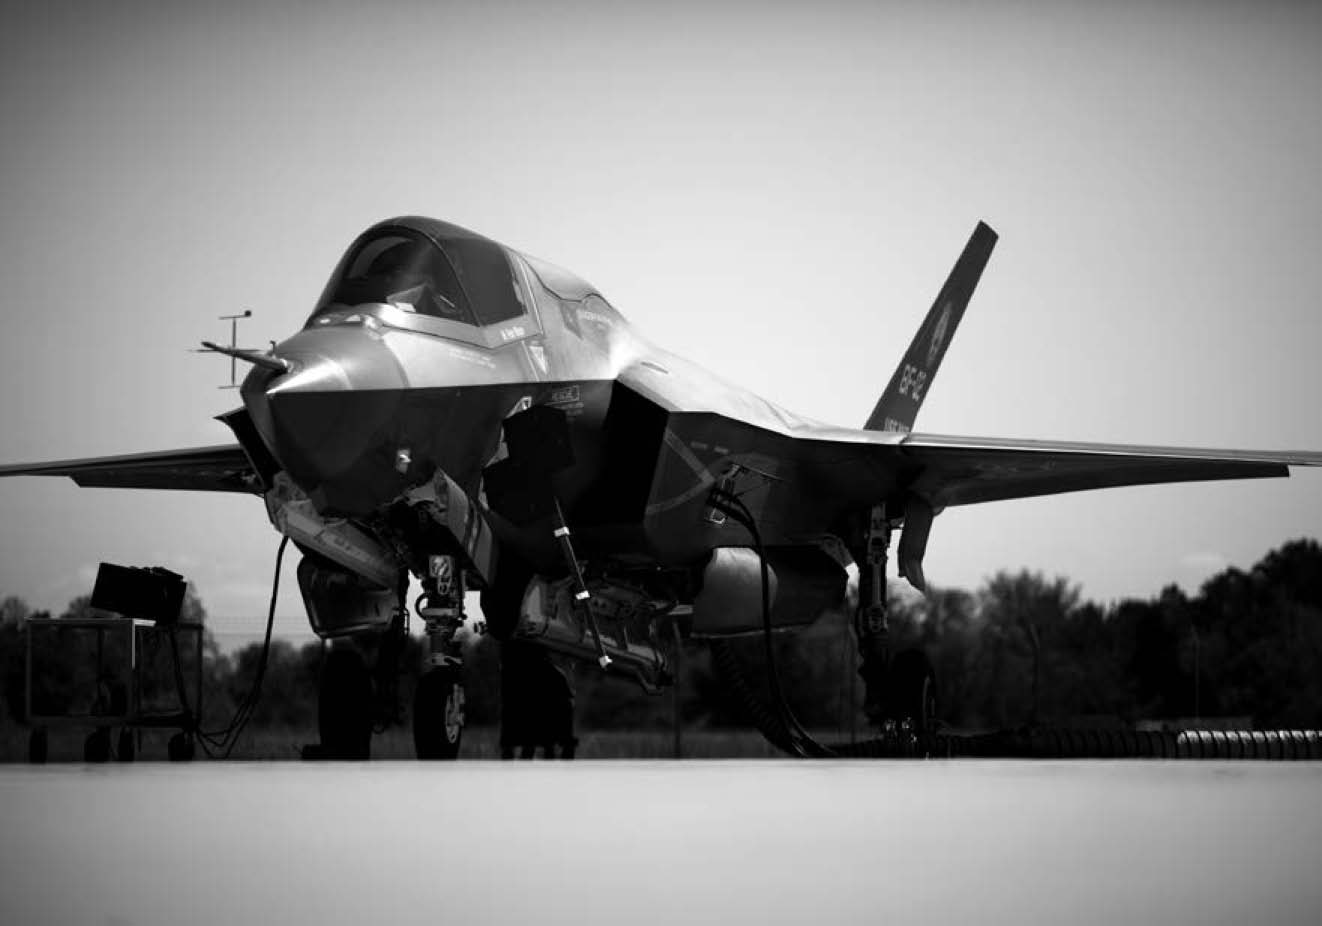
(223, 468)
(967, 470)
(947, 470)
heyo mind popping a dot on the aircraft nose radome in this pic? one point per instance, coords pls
(323, 425)
(330, 415)
(316, 374)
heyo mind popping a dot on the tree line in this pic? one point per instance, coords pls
(1021, 649)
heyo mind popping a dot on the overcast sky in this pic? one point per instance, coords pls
(774, 191)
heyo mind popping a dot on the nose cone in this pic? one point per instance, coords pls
(330, 421)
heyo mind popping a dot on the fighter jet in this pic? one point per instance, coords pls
(478, 418)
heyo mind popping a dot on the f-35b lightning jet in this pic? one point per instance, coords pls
(481, 419)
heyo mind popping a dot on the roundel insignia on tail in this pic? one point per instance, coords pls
(939, 331)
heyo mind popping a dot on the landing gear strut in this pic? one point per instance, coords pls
(438, 703)
(870, 624)
(900, 694)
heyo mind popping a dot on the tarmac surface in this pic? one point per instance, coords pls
(663, 842)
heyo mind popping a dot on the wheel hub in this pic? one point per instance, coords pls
(454, 712)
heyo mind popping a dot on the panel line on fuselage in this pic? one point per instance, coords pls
(705, 478)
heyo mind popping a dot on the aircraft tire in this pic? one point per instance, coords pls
(344, 707)
(180, 748)
(38, 746)
(438, 714)
(912, 683)
(125, 747)
(96, 748)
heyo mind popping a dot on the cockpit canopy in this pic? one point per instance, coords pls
(442, 272)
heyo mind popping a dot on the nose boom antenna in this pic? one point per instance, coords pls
(235, 353)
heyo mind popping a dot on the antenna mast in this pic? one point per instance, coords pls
(234, 345)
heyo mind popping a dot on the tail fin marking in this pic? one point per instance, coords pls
(898, 406)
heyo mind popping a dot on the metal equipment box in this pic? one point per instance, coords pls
(105, 672)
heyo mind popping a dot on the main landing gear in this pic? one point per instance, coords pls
(900, 697)
(344, 707)
(536, 704)
(354, 700)
(537, 700)
(911, 703)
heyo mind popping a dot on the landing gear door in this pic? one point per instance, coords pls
(340, 603)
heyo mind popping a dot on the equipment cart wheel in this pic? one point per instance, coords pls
(438, 714)
(913, 691)
(180, 748)
(126, 748)
(344, 706)
(38, 746)
(96, 748)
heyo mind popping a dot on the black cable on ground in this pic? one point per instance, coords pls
(220, 743)
(780, 727)
(767, 722)
(784, 731)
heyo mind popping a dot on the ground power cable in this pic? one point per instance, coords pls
(220, 743)
(778, 724)
(789, 732)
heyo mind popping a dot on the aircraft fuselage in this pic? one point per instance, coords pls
(379, 396)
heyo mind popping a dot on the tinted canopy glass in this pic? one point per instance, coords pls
(468, 280)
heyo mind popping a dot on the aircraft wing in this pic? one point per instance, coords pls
(205, 469)
(967, 470)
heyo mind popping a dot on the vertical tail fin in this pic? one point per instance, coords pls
(898, 406)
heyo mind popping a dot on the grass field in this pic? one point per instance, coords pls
(66, 744)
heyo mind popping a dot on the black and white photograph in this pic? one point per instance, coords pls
(486, 462)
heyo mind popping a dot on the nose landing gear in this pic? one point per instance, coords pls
(438, 714)
(438, 703)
